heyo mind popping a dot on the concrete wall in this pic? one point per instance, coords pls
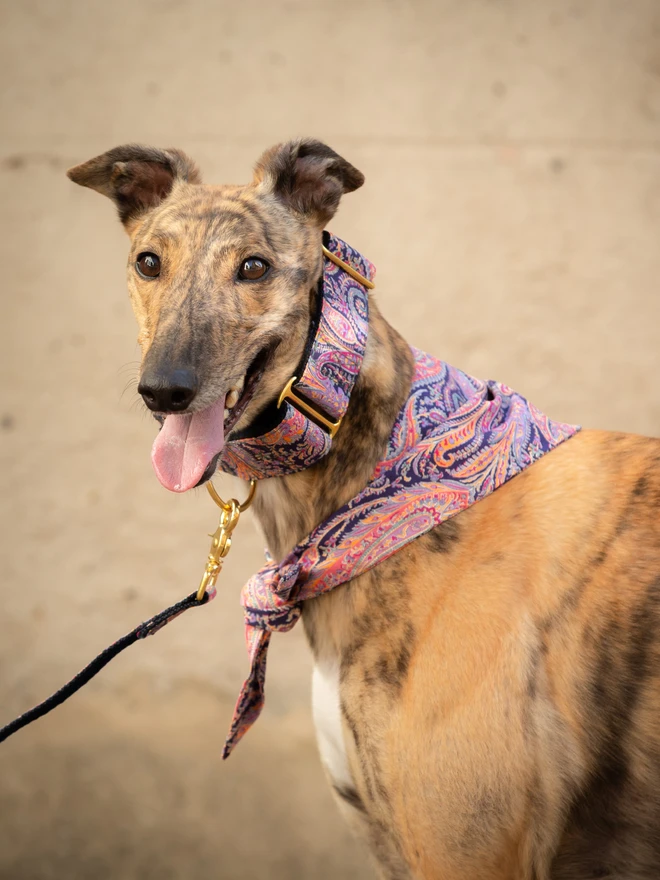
(512, 206)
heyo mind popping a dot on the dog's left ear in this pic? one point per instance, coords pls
(136, 178)
(308, 177)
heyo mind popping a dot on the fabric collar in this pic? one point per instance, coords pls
(456, 440)
(316, 399)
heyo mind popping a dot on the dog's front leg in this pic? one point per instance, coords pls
(335, 740)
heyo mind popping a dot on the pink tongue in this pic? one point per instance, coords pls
(185, 446)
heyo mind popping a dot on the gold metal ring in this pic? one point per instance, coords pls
(226, 505)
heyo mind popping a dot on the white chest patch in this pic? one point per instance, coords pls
(327, 720)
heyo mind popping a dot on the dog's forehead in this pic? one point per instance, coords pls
(235, 215)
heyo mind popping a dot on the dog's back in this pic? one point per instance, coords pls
(609, 621)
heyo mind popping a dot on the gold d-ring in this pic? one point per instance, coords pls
(226, 505)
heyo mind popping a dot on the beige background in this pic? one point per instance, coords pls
(512, 206)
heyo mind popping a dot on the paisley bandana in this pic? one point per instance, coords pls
(455, 441)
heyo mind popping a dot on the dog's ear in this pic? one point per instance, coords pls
(136, 178)
(308, 177)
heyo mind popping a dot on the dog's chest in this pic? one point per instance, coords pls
(326, 708)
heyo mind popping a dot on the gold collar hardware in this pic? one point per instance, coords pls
(348, 269)
(289, 394)
(221, 539)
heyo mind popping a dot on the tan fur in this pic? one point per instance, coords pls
(500, 676)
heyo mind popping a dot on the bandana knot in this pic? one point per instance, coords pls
(269, 597)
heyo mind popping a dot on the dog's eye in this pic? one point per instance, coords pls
(252, 269)
(148, 265)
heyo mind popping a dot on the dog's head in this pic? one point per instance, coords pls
(222, 280)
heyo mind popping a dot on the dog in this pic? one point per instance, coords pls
(487, 699)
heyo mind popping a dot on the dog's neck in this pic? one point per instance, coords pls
(289, 507)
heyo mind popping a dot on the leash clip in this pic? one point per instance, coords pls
(221, 539)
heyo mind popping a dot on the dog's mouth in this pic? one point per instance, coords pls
(186, 451)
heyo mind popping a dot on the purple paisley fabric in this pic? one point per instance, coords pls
(327, 380)
(456, 440)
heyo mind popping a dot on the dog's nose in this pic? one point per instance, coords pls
(172, 392)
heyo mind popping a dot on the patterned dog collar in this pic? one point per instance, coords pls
(314, 401)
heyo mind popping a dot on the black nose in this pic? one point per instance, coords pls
(168, 392)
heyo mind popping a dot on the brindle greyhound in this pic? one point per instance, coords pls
(521, 737)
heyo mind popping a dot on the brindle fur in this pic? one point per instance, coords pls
(500, 676)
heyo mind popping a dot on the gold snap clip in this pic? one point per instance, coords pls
(221, 539)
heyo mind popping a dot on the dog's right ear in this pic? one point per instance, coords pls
(136, 178)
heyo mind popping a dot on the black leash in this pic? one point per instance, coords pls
(148, 628)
